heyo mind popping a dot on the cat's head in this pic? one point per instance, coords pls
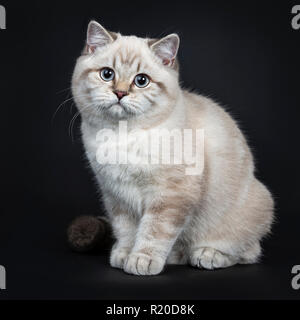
(125, 76)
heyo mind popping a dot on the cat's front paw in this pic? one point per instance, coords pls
(143, 265)
(118, 257)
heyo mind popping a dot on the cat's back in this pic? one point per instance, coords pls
(224, 141)
(204, 113)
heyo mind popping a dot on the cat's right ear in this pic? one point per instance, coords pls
(97, 36)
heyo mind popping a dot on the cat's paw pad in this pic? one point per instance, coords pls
(118, 257)
(209, 258)
(142, 264)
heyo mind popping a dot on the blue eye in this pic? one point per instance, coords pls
(107, 74)
(141, 80)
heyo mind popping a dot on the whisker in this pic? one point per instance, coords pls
(64, 90)
(64, 102)
(72, 122)
(71, 125)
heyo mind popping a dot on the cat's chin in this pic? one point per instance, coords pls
(116, 111)
(120, 111)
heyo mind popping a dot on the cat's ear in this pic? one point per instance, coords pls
(167, 48)
(97, 36)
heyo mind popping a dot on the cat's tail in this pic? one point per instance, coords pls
(88, 233)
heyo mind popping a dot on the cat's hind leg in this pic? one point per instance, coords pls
(252, 255)
(235, 237)
(209, 258)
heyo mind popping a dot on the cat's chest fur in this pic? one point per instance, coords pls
(130, 183)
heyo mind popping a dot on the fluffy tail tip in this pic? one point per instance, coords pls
(87, 233)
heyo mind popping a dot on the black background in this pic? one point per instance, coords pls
(244, 54)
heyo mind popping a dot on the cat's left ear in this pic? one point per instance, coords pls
(97, 36)
(167, 48)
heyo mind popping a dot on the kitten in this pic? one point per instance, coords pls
(159, 213)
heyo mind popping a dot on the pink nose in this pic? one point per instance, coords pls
(120, 94)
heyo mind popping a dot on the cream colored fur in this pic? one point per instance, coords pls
(158, 213)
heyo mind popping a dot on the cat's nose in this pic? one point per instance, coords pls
(120, 94)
